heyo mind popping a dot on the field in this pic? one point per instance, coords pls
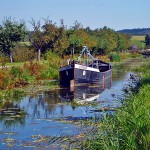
(138, 38)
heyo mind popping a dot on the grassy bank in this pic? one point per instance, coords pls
(22, 74)
(129, 127)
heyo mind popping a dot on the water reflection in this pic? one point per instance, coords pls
(46, 111)
(52, 104)
(84, 92)
(11, 115)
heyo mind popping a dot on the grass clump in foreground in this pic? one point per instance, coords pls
(129, 127)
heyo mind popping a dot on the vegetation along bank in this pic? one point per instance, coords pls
(37, 54)
(129, 127)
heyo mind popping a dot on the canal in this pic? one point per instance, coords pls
(50, 119)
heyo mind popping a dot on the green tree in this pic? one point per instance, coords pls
(122, 42)
(11, 32)
(50, 34)
(61, 40)
(55, 37)
(106, 40)
(74, 41)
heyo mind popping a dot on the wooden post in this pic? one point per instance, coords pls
(72, 83)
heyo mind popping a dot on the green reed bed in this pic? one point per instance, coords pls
(129, 127)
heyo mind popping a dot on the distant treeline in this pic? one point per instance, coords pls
(48, 36)
(142, 31)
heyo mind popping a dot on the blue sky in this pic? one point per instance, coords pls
(115, 14)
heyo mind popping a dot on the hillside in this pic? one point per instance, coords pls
(142, 31)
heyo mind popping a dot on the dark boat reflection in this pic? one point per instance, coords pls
(84, 92)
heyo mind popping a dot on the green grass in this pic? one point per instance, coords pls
(25, 43)
(129, 127)
(15, 64)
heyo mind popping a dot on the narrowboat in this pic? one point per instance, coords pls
(91, 70)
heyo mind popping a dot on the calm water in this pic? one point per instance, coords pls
(51, 113)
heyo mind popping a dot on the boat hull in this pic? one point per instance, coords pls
(75, 73)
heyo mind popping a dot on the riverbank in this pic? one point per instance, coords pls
(23, 79)
(50, 119)
(129, 127)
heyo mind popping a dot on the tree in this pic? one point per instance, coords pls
(61, 40)
(122, 42)
(49, 32)
(77, 25)
(147, 39)
(106, 40)
(55, 37)
(36, 37)
(11, 33)
(74, 41)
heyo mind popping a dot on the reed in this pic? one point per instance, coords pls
(129, 127)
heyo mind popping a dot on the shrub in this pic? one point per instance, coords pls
(27, 78)
(113, 56)
(21, 76)
(3, 60)
(5, 80)
(33, 68)
(124, 55)
(48, 71)
(15, 71)
(23, 53)
(135, 54)
(52, 58)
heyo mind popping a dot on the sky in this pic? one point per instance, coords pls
(115, 14)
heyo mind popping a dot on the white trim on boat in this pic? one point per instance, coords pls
(86, 68)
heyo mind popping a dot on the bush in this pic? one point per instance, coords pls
(3, 60)
(23, 53)
(5, 79)
(20, 76)
(52, 58)
(26, 78)
(33, 68)
(135, 54)
(15, 72)
(113, 56)
(17, 76)
(48, 71)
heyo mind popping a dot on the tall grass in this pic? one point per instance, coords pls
(28, 73)
(129, 127)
